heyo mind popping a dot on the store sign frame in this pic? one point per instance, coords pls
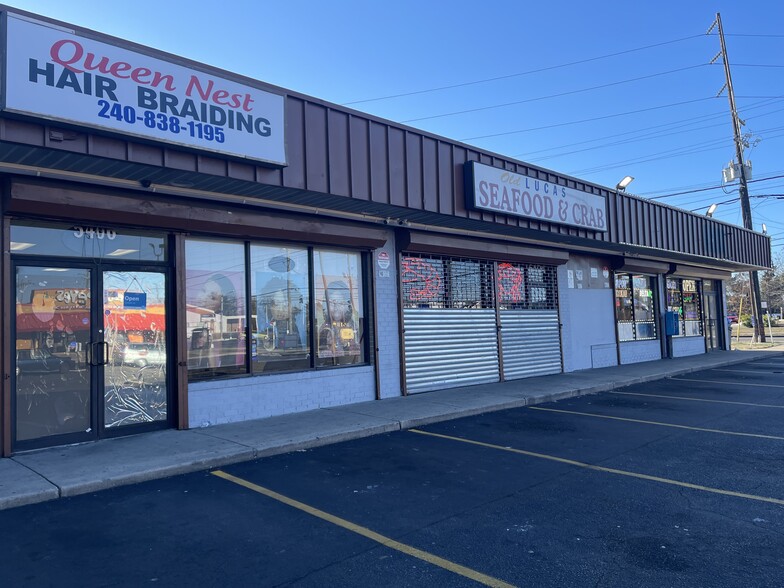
(503, 192)
(55, 73)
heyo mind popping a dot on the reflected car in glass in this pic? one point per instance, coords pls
(41, 361)
(142, 354)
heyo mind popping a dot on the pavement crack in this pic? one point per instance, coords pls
(40, 475)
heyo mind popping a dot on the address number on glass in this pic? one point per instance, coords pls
(94, 233)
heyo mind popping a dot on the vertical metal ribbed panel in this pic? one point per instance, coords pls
(531, 343)
(446, 347)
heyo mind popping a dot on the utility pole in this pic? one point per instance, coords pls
(756, 298)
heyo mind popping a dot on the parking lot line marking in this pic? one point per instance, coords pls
(725, 382)
(615, 418)
(365, 532)
(756, 372)
(694, 399)
(596, 468)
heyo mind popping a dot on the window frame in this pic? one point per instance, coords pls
(682, 320)
(489, 289)
(653, 287)
(247, 369)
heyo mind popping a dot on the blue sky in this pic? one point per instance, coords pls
(467, 70)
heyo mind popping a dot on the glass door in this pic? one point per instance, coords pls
(134, 358)
(88, 366)
(711, 322)
(53, 379)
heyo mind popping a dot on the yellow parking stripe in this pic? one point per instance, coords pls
(694, 399)
(615, 418)
(359, 530)
(726, 382)
(605, 470)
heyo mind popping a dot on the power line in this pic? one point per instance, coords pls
(574, 122)
(560, 94)
(693, 187)
(752, 35)
(679, 123)
(755, 65)
(523, 73)
(711, 188)
(670, 153)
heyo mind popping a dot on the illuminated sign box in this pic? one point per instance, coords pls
(53, 73)
(504, 192)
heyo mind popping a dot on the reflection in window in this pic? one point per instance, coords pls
(52, 326)
(635, 307)
(85, 241)
(683, 297)
(423, 282)
(454, 283)
(338, 308)
(134, 321)
(216, 309)
(470, 284)
(279, 308)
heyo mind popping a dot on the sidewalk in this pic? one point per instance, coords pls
(48, 474)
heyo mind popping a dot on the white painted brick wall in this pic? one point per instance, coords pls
(685, 346)
(637, 351)
(604, 355)
(388, 324)
(241, 399)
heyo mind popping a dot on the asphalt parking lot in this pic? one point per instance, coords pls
(676, 482)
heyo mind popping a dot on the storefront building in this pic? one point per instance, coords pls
(185, 247)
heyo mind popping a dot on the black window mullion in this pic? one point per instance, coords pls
(311, 309)
(249, 335)
(368, 306)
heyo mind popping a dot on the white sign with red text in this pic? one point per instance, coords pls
(55, 74)
(497, 190)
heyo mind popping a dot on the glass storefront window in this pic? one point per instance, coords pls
(279, 307)
(216, 310)
(86, 241)
(276, 329)
(52, 336)
(510, 286)
(339, 313)
(683, 297)
(635, 307)
(692, 311)
(423, 282)
(445, 282)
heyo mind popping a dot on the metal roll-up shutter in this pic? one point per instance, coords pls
(446, 347)
(531, 344)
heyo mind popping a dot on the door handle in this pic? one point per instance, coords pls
(93, 357)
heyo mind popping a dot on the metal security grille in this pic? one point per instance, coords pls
(531, 343)
(446, 347)
(457, 311)
(525, 286)
(442, 282)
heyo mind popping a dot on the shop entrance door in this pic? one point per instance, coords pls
(91, 356)
(711, 322)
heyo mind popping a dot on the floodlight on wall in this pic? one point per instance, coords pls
(621, 186)
(764, 229)
(711, 210)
